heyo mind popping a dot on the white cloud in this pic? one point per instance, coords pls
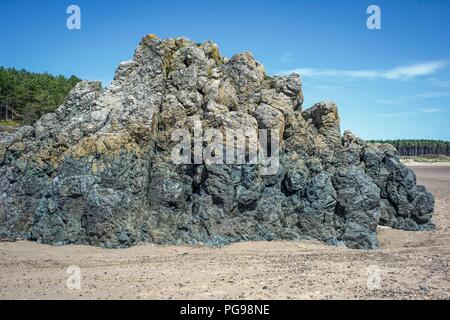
(414, 70)
(440, 83)
(404, 100)
(403, 72)
(433, 94)
(430, 110)
(287, 57)
(398, 114)
(411, 113)
(327, 87)
(388, 101)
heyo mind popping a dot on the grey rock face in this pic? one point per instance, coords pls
(99, 170)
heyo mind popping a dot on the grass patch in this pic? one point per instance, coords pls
(10, 123)
(427, 158)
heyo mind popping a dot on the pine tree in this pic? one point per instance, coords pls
(26, 96)
(413, 147)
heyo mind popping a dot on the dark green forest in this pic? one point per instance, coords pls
(26, 96)
(419, 147)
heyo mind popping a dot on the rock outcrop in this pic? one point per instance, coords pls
(99, 170)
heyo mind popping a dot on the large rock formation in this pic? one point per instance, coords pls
(99, 170)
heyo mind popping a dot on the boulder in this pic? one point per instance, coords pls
(99, 170)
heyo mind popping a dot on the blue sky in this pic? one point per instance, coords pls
(388, 83)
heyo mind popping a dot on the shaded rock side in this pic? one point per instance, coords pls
(98, 171)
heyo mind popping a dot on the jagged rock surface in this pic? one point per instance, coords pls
(98, 171)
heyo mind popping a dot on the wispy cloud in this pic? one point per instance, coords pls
(433, 94)
(325, 87)
(389, 101)
(411, 113)
(404, 100)
(287, 57)
(430, 110)
(440, 83)
(398, 114)
(401, 72)
(415, 70)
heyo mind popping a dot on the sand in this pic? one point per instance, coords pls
(412, 163)
(409, 265)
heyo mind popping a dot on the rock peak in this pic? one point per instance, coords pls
(100, 169)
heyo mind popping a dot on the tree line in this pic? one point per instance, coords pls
(26, 96)
(413, 147)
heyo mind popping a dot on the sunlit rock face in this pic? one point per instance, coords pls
(99, 170)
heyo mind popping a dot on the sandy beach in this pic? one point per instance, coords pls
(408, 265)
